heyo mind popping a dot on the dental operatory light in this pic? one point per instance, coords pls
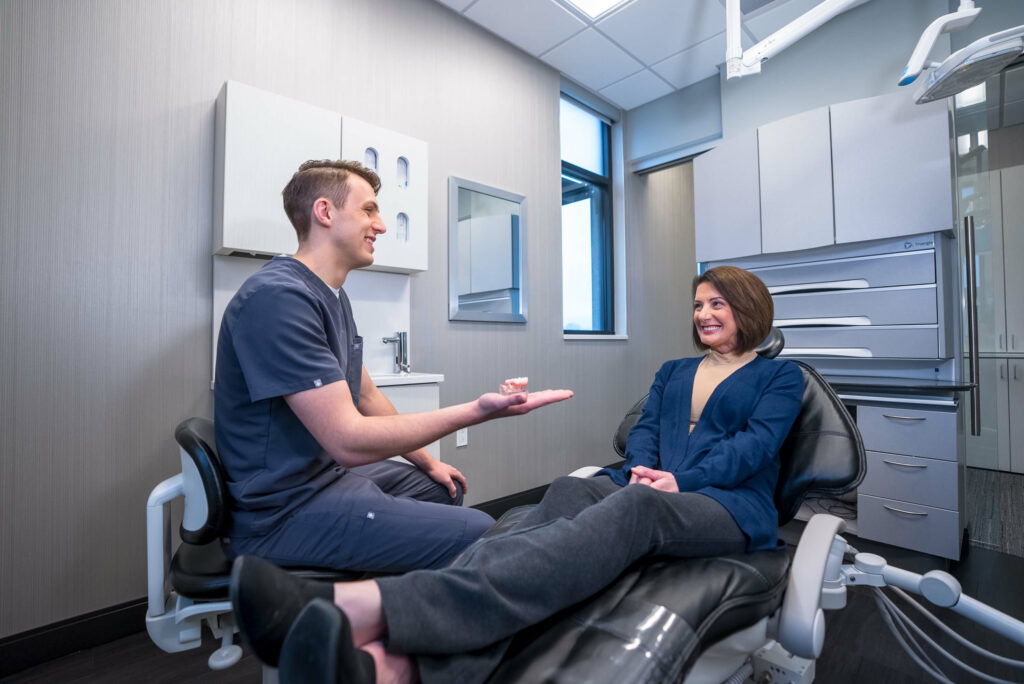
(966, 67)
(740, 62)
(594, 8)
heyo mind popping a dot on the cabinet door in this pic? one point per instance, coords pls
(726, 199)
(981, 198)
(795, 160)
(891, 168)
(1016, 381)
(1013, 255)
(991, 449)
(261, 140)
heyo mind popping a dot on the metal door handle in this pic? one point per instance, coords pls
(886, 415)
(900, 510)
(905, 465)
(974, 364)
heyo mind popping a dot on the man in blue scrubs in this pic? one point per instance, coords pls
(303, 432)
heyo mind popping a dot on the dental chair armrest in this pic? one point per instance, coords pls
(802, 622)
(585, 471)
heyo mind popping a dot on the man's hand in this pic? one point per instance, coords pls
(658, 479)
(495, 405)
(445, 475)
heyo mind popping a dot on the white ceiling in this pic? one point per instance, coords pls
(638, 51)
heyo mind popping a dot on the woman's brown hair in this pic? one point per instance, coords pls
(749, 299)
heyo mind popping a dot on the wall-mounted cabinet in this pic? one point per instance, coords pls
(851, 172)
(727, 200)
(795, 161)
(261, 140)
(401, 163)
(891, 167)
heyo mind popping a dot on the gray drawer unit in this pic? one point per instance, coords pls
(913, 305)
(933, 482)
(920, 528)
(918, 432)
(863, 342)
(879, 270)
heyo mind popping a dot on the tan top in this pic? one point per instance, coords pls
(712, 370)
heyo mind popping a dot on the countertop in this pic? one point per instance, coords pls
(875, 383)
(391, 379)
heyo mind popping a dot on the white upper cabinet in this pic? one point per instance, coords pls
(726, 199)
(401, 163)
(795, 161)
(261, 140)
(891, 167)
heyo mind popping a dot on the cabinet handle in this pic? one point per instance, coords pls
(1002, 372)
(886, 415)
(905, 465)
(1000, 341)
(900, 510)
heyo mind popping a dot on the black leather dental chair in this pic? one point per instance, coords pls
(693, 620)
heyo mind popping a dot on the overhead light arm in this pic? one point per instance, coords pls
(964, 15)
(740, 63)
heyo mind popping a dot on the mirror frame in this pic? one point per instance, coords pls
(454, 314)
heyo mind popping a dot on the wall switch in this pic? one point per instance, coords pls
(462, 437)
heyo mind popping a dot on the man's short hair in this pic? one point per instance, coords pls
(321, 178)
(749, 299)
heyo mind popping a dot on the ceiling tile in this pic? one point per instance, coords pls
(771, 19)
(592, 60)
(457, 5)
(636, 90)
(532, 25)
(699, 62)
(651, 30)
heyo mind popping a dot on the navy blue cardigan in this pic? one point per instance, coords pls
(732, 453)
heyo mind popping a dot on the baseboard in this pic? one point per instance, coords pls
(49, 642)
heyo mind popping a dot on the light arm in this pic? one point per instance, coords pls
(963, 16)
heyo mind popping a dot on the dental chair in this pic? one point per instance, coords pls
(699, 620)
(190, 586)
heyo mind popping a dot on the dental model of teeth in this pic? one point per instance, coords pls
(514, 386)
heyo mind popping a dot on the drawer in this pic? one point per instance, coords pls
(914, 305)
(881, 270)
(925, 481)
(911, 526)
(864, 342)
(916, 432)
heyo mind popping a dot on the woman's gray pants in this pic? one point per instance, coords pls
(581, 537)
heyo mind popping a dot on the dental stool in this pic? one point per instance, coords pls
(666, 620)
(198, 573)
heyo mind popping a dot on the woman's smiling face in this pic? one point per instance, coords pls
(713, 318)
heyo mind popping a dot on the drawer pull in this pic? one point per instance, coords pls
(900, 510)
(904, 465)
(886, 415)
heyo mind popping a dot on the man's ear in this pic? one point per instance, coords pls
(323, 211)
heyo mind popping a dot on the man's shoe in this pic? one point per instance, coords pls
(319, 650)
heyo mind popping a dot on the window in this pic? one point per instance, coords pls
(587, 283)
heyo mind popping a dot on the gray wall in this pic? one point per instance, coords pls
(106, 184)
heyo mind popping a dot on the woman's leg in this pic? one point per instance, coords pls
(508, 582)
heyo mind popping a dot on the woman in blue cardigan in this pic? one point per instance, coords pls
(700, 473)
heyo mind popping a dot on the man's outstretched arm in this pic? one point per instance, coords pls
(353, 439)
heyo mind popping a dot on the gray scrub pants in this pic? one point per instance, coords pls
(382, 517)
(581, 537)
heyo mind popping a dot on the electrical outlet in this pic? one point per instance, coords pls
(462, 437)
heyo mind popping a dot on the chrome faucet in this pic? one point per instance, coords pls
(401, 351)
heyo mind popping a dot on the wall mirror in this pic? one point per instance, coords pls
(485, 253)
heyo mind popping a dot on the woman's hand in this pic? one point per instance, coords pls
(661, 480)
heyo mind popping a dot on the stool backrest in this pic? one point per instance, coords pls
(196, 438)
